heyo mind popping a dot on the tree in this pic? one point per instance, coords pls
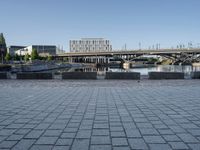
(49, 58)
(16, 57)
(34, 54)
(26, 57)
(7, 57)
(2, 46)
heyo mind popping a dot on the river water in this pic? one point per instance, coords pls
(143, 71)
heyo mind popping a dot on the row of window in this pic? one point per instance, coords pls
(89, 42)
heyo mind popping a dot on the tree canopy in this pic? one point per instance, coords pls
(34, 54)
(2, 41)
(26, 57)
(7, 57)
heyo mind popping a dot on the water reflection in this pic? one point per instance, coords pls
(163, 68)
(144, 71)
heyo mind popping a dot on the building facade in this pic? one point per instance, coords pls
(90, 45)
(43, 50)
(13, 48)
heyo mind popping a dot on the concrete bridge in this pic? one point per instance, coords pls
(103, 57)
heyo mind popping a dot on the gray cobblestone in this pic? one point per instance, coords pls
(24, 144)
(117, 115)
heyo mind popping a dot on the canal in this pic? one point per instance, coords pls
(143, 70)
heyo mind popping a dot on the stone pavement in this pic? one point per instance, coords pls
(99, 115)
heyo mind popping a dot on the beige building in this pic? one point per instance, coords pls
(90, 45)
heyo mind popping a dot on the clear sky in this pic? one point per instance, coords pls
(168, 22)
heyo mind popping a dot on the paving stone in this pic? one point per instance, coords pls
(64, 142)
(100, 147)
(149, 131)
(121, 148)
(154, 139)
(100, 140)
(178, 145)
(61, 148)
(118, 134)
(6, 132)
(3, 138)
(194, 146)
(52, 133)
(188, 138)
(101, 126)
(47, 140)
(83, 134)
(133, 133)
(171, 138)
(34, 134)
(160, 147)
(100, 132)
(68, 135)
(15, 137)
(82, 144)
(24, 144)
(42, 126)
(195, 132)
(7, 144)
(22, 131)
(119, 142)
(41, 147)
(137, 143)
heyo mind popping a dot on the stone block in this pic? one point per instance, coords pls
(3, 75)
(123, 75)
(166, 75)
(79, 75)
(195, 75)
(34, 75)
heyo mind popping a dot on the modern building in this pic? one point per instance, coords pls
(13, 48)
(90, 45)
(43, 50)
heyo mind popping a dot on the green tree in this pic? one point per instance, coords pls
(49, 58)
(7, 57)
(34, 54)
(3, 50)
(26, 57)
(2, 40)
(16, 57)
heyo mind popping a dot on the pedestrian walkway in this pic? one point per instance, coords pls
(99, 114)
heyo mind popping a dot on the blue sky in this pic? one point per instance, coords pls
(168, 22)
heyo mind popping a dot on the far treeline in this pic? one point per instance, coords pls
(6, 56)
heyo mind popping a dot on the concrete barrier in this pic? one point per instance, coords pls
(123, 75)
(166, 75)
(195, 75)
(3, 75)
(34, 75)
(79, 75)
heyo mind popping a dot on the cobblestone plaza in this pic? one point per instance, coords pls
(99, 114)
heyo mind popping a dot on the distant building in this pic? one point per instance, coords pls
(43, 50)
(13, 48)
(90, 45)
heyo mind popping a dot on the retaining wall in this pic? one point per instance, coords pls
(79, 75)
(3, 75)
(123, 75)
(34, 75)
(166, 75)
(195, 75)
